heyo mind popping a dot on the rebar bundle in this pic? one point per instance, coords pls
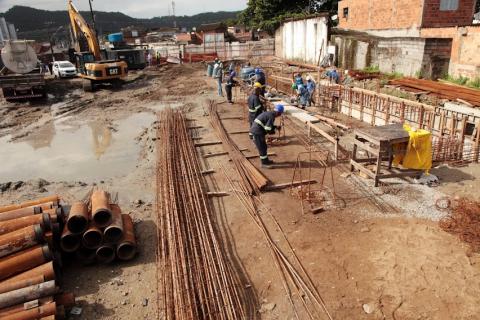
(195, 277)
(252, 177)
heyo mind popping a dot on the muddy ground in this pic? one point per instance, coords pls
(374, 248)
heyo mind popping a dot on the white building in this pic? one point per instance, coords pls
(304, 40)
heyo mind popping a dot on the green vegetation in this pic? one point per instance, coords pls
(394, 75)
(463, 81)
(419, 74)
(372, 69)
(268, 14)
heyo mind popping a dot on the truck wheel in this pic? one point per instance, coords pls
(87, 85)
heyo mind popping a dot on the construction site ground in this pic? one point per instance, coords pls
(372, 253)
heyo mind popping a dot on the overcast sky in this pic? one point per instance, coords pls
(135, 8)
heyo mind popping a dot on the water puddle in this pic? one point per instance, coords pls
(58, 152)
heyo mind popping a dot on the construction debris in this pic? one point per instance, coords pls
(464, 221)
(196, 277)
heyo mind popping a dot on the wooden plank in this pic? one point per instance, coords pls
(239, 132)
(323, 133)
(209, 155)
(208, 143)
(195, 127)
(281, 186)
(358, 166)
(217, 194)
(210, 171)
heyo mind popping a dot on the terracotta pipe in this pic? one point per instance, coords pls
(106, 253)
(101, 212)
(54, 199)
(20, 239)
(85, 256)
(66, 299)
(127, 247)
(19, 213)
(21, 283)
(43, 219)
(114, 232)
(49, 271)
(77, 221)
(69, 242)
(48, 309)
(24, 260)
(24, 306)
(92, 238)
(26, 294)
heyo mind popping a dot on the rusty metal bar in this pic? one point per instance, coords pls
(24, 260)
(20, 239)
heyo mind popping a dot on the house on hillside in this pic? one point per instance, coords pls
(304, 40)
(213, 34)
(188, 38)
(427, 38)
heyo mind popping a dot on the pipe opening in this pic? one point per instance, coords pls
(102, 218)
(113, 234)
(126, 251)
(92, 239)
(77, 224)
(105, 254)
(69, 243)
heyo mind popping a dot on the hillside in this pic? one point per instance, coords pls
(38, 24)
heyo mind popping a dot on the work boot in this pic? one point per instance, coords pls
(266, 163)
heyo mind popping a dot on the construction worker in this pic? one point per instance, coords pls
(311, 86)
(255, 106)
(219, 76)
(262, 79)
(265, 124)
(230, 83)
(303, 96)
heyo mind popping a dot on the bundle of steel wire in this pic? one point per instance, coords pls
(252, 177)
(464, 221)
(195, 276)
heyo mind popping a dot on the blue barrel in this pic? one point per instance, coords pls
(115, 37)
(247, 73)
(209, 70)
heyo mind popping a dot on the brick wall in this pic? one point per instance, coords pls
(434, 17)
(380, 14)
(465, 49)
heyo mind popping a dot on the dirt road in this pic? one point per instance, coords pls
(372, 254)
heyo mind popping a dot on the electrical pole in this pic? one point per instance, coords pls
(174, 18)
(93, 18)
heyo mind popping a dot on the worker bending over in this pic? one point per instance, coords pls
(265, 124)
(255, 106)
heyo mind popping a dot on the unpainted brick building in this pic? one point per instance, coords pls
(434, 36)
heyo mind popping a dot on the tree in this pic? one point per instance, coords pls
(268, 14)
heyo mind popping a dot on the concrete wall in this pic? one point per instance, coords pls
(465, 49)
(236, 50)
(302, 40)
(380, 14)
(409, 56)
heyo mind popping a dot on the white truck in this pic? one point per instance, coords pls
(21, 74)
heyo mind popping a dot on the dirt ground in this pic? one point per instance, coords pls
(375, 249)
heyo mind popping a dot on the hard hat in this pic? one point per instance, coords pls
(233, 73)
(279, 108)
(258, 85)
(309, 78)
(258, 70)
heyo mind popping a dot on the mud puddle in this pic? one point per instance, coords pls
(92, 152)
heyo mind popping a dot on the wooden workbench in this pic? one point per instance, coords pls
(379, 142)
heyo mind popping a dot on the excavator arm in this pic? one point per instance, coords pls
(80, 26)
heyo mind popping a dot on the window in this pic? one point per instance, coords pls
(345, 13)
(448, 5)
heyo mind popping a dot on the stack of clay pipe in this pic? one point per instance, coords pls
(30, 263)
(97, 231)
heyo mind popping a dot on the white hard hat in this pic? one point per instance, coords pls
(309, 78)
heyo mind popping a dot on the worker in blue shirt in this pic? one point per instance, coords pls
(255, 105)
(303, 96)
(311, 86)
(333, 76)
(265, 124)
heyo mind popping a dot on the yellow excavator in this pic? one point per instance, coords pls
(91, 67)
